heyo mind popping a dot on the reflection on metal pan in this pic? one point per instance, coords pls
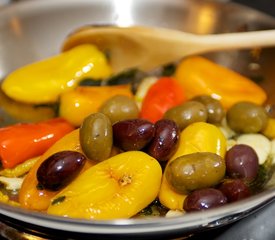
(32, 30)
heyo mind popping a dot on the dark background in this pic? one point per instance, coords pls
(267, 6)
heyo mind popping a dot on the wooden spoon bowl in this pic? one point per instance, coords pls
(150, 47)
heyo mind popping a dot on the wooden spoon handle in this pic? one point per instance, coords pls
(188, 43)
(263, 38)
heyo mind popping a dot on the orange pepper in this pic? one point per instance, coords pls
(198, 76)
(161, 96)
(77, 104)
(23, 141)
(34, 198)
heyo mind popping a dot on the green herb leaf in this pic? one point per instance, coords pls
(39, 186)
(58, 200)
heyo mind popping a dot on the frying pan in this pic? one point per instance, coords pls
(35, 29)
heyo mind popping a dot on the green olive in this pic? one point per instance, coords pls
(96, 136)
(214, 108)
(246, 117)
(195, 171)
(119, 108)
(187, 113)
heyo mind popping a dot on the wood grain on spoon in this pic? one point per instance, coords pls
(150, 47)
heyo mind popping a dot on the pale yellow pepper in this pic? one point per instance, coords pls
(43, 81)
(118, 187)
(197, 137)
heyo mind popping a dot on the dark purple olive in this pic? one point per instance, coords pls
(133, 134)
(60, 169)
(235, 189)
(165, 141)
(204, 199)
(242, 162)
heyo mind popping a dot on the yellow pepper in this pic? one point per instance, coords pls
(5, 199)
(33, 198)
(77, 104)
(201, 137)
(20, 169)
(25, 112)
(118, 187)
(200, 76)
(269, 130)
(197, 137)
(170, 198)
(43, 81)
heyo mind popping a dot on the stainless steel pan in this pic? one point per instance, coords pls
(32, 30)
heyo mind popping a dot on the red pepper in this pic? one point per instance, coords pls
(23, 141)
(161, 96)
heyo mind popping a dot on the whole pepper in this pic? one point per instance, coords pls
(269, 130)
(23, 112)
(197, 137)
(77, 104)
(23, 141)
(43, 81)
(164, 94)
(200, 76)
(118, 187)
(30, 195)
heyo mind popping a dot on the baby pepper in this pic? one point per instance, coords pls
(44, 81)
(197, 137)
(77, 104)
(116, 188)
(23, 141)
(33, 197)
(200, 76)
(164, 94)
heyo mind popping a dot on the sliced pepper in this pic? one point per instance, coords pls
(199, 76)
(77, 104)
(161, 96)
(44, 81)
(21, 142)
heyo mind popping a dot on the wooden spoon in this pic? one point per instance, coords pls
(148, 47)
